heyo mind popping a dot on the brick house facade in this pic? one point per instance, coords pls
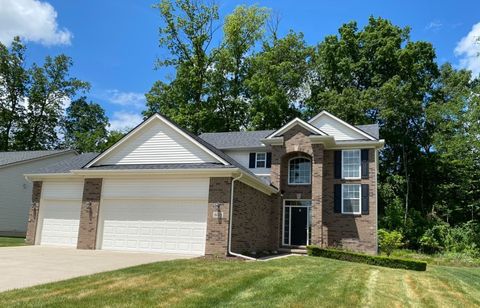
(264, 191)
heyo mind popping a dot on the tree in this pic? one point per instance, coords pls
(378, 74)
(227, 77)
(13, 88)
(85, 126)
(278, 81)
(187, 33)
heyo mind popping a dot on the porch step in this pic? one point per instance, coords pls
(294, 250)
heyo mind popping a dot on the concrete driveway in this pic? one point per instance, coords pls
(32, 265)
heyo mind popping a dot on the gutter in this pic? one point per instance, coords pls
(230, 223)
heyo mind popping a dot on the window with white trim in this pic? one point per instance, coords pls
(351, 164)
(351, 199)
(260, 160)
(299, 171)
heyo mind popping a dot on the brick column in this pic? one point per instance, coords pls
(317, 194)
(217, 228)
(87, 233)
(33, 213)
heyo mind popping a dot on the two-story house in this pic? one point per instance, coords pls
(163, 189)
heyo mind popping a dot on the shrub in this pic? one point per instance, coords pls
(367, 259)
(389, 240)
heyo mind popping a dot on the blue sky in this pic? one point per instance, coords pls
(114, 44)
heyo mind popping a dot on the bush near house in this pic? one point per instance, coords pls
(372, 260)
(389, 241)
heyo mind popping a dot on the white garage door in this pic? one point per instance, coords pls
(160, 215)
(59, 215)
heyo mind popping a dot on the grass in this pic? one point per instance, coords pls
(291, 282)
(6, 241)
(445, 259)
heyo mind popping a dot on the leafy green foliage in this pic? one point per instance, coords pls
(388, 241)
(32, 100)
(85, 126)
(367, 259)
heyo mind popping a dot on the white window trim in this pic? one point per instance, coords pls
(359, 165)
(300, 184)
(359, 200)
(262, 160)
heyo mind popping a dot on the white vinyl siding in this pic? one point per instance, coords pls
(156, 143)
(154, 214)
(334, 128)
(16, 193)
(59, 215)
(243, 158)
(155, 188)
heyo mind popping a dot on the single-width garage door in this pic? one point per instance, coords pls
(160, 215)
(59, 214)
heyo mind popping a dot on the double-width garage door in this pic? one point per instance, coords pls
(159, 215)
(59, 214)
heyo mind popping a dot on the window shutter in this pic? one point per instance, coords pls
(365, 200)
(269, 159)
(337, 198)
(337, 161)
(364, 157)
(251, 163)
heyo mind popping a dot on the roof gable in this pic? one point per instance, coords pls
(338, 128)
(156, 141)
(294, 122)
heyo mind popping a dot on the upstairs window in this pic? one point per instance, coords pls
(299, 171)
(260, 160)
(351, 164)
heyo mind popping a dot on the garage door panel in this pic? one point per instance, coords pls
(60, 222)
(176, 226)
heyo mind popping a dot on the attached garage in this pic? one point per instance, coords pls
(154, 214)
(59, 214)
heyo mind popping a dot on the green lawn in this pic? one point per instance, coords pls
(294, 281)
(6, 241)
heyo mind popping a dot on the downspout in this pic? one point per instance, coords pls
(230, 252)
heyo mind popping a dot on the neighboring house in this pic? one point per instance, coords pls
(163, 189)
(16, 191)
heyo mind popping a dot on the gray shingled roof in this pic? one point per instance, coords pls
(7, 158)
(233, 140)
(371, 129)
(66, 165)
(251, 139)
(160, 166)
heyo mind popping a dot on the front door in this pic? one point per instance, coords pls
(296, 222)
(299, 226)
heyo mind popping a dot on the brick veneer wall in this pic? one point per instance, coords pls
(33, 213)
(297, 144)
(356, 232)
(87, 233)
(254, 220)
(217, 228)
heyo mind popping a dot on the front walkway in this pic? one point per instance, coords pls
(32, 265)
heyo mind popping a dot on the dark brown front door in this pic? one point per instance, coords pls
(299, 223)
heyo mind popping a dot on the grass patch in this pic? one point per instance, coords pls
(7, 241)
(287, 282)
(367, 259)
(444, 259)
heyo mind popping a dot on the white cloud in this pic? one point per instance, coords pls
(434, 26)
(123, 120)
(132, 99)
(32, 20)
(468, 50)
